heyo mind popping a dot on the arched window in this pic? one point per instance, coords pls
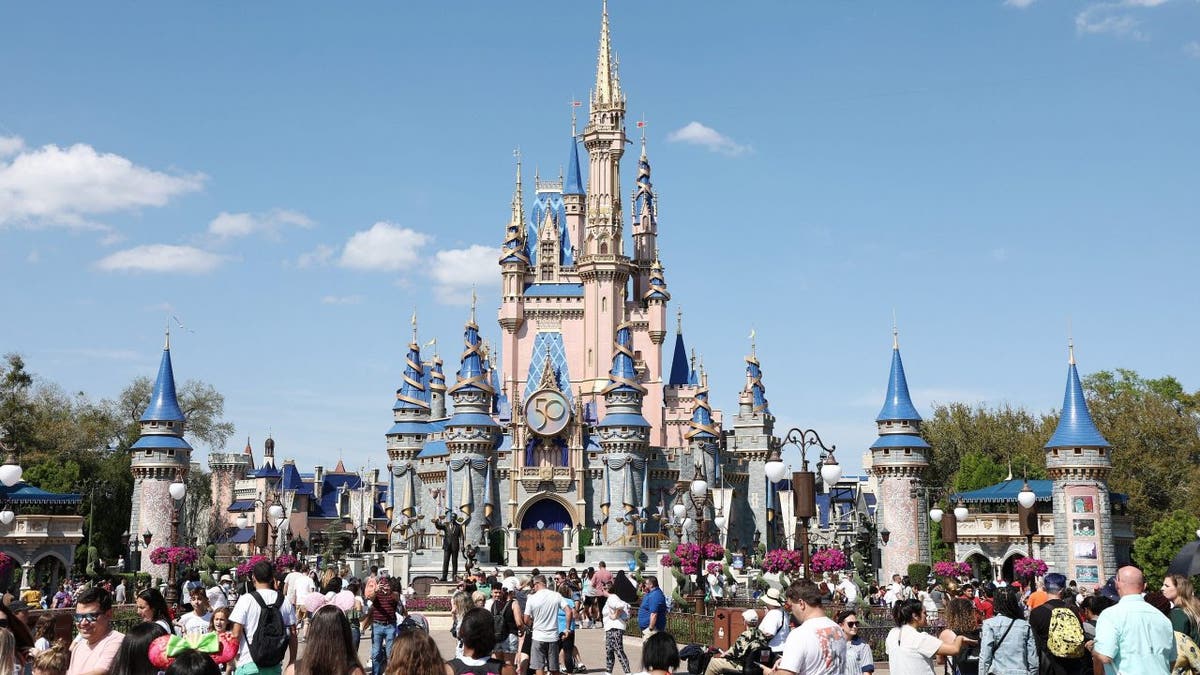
(603, 304)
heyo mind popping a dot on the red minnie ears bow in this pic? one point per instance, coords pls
(221, 648)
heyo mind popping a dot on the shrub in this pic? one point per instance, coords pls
(918, 573)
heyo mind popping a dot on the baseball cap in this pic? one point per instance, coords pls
(750, 616)
(1055, 582)
(226, 577)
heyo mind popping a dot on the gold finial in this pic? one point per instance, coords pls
(753, 351)
(474, 300)
(1070, 344)
(517, 154)
(642, 125)
(679, 320)
(895, 331)
(606, 89)
(574, 104)
(414, 326)
(167, 341)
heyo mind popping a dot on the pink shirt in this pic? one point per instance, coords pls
(601, 580)
(87, 658)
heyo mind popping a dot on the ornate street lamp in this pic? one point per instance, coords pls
(804, 497)
(178, 491)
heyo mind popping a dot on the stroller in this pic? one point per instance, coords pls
(697, 658)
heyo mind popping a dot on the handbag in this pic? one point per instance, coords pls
(996, 646)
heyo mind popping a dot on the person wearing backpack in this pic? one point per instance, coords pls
(506, 621)
(264, 623)
(1007, 646)
(1058, 632)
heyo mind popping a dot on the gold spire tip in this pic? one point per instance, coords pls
(679, 320)
(895, 331)
(474, 300)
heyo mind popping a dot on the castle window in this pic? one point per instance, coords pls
(1054, 452)
(170, 453)
(603, 304)
(1079, 451)
(604, 249)
(589, 357)
(154, 424)
(1101, 452)
(908, 451)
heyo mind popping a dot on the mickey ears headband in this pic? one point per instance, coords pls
(220, 648)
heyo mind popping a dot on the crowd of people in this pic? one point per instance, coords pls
(505, 624)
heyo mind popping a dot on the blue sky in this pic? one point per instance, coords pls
(311, 172)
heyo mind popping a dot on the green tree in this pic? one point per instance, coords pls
(972, 447)
(201, 403)
(1152, 426)
(1153, 552)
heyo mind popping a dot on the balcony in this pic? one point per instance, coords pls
(1001, 526)
(43, 529)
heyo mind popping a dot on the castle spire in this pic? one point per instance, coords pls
(1075, 427)
(679, 358)
(608, 87)
(701, 425)
(897, 405)
(754, 383)
(516, 247)
(573, 183)
(471, 373)
(164, 405)
(412, 394)
(623, 377)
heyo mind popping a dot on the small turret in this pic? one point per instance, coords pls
(680, 370)
(1077, 448)
(411, 411)
(514, 260)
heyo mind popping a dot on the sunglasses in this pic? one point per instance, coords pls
(852, 624)
(3, 623)
(90, 617)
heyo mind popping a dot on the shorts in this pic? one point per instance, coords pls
(507, 646)
(589, 600)
(527, 643)
(544, 656)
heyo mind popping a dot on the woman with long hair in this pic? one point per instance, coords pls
(43, 634)
(1185, 606)
(415, 653)
(133, 657)
(459, 604)
(8, 653)
(329, 649)
(22, 638)
(193, 663)
(910, 649)
(961, 619)
(1007, 646)
(151, 606)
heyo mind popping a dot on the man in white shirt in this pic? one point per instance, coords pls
(818, 645)
(541, 616)
(296, 587)
(847, 587)
(774, 624)
(197, 620)
(222, 595)
(244, 618)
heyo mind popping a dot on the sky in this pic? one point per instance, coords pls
(291, 180)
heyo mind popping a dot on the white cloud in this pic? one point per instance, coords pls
(385, 247)
(342, 300)
(231, 225)
(161, 258)
(318, 257)
(11, 145)
(1192, 49)
(53, 186)
(456, 271)
(695, 133)
(1115, 18)
(1019, 4)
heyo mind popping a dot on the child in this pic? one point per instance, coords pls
(53, 661)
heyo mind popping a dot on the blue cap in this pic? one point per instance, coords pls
(1054, 582)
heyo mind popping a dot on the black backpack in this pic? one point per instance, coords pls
(501, 621)
(270, 642)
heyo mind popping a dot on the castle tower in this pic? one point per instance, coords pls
(624, 434)
(644, 224)
(899, 457)
(573, 193)
(227, 469)
(1077, 460)
(472, 437)
(603, 268)
(407, 436)
(159, 457)
(750, 445)
(437, 389)
(514, 262)
(704, 443)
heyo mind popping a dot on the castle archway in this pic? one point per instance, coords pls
(540, 543)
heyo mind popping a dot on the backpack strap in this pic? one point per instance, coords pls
(258, 599)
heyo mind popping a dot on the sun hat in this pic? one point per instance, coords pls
(511, 584)
(771, 598)
(750, 616)
(226, 577)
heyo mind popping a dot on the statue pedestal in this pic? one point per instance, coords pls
(614, 557)
(399, 564)
(439, 589)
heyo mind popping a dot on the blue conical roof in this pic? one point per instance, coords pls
(471, 373)
(701, 425)
(412, 394)
(757, 390)
(679, 363)
(898, 405)
(573, 184)
(1076, 428)
(164, 407)
(622, 376)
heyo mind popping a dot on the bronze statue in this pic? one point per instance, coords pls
(453, 538)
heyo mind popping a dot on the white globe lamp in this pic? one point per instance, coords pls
(178, 490)
(1025, 497)
(961, 512)
(10, 473)
(242, 521)
(935, 514)
(678, 510)
(775, 470)
(831, 471)
(6, 516)
(699, 487)
(719, 521)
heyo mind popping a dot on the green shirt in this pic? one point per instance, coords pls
(1137, 637)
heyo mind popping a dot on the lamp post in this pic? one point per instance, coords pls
(273, 518)
(804, 497)
(1027, 514)
(178, 491)
(10, 475)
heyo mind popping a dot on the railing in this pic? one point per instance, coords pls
(992, 525)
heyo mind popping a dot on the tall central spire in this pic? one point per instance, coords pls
(608, 85)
